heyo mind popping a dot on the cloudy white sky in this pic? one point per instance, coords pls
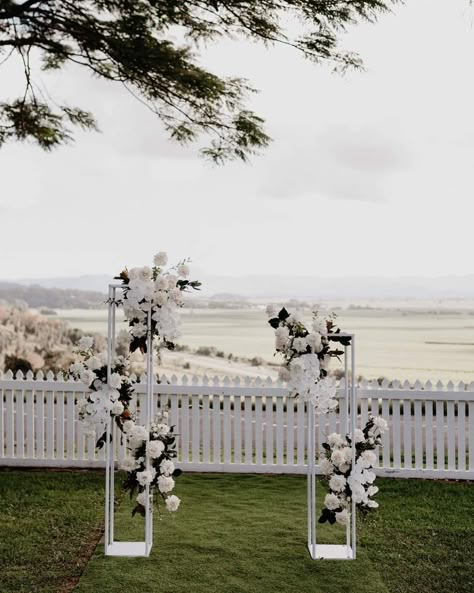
(368, 174)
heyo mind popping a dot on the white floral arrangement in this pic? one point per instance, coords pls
(151, 452)
(307, 354)
(158, 291)
(345, 482)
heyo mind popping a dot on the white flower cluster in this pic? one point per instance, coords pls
(149, 462)
(307, 357)
(159, 292)
(103, 401)
(346, 481)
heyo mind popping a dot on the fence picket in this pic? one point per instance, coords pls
(439, 435)
(395, 433)
(227, 431)
(451, 436)
(206, 429)
(248, 429)
(185, 427)
(407, 459)
(461, 436)
(258, 431)
(59, 425)
(269, 429)
(279, 436)
(216, 429)
(196, 429)
(290, 431)
(429, 434)
(418, 436)
(9, 423)
(30, 424)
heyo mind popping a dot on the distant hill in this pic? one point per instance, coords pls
(234, 288)
(52, 298)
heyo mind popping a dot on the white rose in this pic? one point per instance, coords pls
(87, 377)
(300, 344)
(144, 273)
(160, 259)
(332, 502)
(337, 483)
(337, 457)
(155, 448)
(172, 279)
(138, 330)
(141, 498)
(183, 270)
(367, 459)
(347, 452)
(115, 381)
(282, 336)
(320, 326)
(165, 484)
(161, 429)
(172, 503)
(335, 440)
(380, 423)
(176, 295)
(326, 466)
(343, 517)
(372, 490)
(118, 408)
(314, 341)
(134, 273)
(167, 467)
(93, 363)
(146, 477)
(128, 426)
(85, 343)
(359, 435)
(128, 464)
(76, 368)
(368, 476)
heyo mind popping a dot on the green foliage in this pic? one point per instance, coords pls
(152, 48)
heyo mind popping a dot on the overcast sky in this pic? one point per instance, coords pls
(368, 174)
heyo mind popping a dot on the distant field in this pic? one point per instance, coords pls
(392, 344)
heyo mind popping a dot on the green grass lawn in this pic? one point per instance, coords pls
(233, 534)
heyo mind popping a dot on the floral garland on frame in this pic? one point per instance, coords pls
(146, 290)
(307, 354)
(345, 483)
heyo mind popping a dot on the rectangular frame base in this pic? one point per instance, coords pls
(128, 549)
(330, 552)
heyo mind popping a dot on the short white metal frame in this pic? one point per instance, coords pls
(345, 551)
(112, 547)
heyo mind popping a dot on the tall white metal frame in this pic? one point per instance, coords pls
(345, 551)
(112, 547)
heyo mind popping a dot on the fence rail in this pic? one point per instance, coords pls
(244, 426)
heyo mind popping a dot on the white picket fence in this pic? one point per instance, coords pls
(244, 426)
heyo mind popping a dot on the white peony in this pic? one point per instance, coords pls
(337, 483)
(137, 435)
(172, 503)
(332, 502)
(165, 484)
(167, 467)
(160, 297)
(144, 273)
(172, 280)
(347, 452)
(359, 436)
(343, 517)
(85, 343)
(161, 283)
(176, 295)
(155, 448)
(183, 270)
(160, 259)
